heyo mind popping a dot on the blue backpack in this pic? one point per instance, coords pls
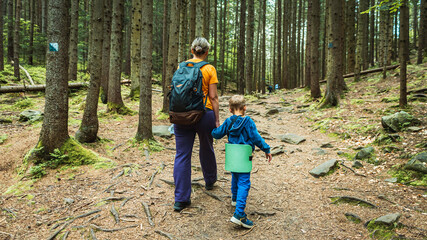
(186, 105)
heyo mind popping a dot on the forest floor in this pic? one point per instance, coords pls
(285, 201)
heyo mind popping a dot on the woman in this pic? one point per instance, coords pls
(185, 134)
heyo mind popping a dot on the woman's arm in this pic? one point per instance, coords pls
(213, 97)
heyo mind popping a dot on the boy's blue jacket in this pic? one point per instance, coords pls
(243, 131)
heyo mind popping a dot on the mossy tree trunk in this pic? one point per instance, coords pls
(173, 50)
(145, 121)
(314, 48)
(74, 34)
(115, 101)
(335, 43)
(403, 51)
(16, 40)
(135, 48)
(10, 30)
(54, 132)
(422, 42)
(351, 36)
(88, 130)
(106, 45)
(1, 36)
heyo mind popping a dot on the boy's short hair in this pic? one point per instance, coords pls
(237, 102)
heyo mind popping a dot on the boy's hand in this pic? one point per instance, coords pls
(268, 156)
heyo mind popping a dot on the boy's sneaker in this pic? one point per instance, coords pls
(242, 220)
(233, 202)
(179, 206)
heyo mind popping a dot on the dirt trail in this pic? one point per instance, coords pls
(285, 201)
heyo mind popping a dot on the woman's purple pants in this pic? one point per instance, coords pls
(184, 136)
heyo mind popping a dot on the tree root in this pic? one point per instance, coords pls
(357, 174)
(67, 223)
(115, 214)
(126, 200)
(161, 233)
(243, 234)
(111, 230)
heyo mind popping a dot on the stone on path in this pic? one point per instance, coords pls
(291, 138)
(418, 163)
(277, 150)
(271, 111)
(318, 151)
(391, 180)
(365, 153)
(396, 122)
(326, 145)
(353, 217)
(357, 164)
(162, 131)
(414, 129)
(324, 168)
(30, 115)
(388, 219)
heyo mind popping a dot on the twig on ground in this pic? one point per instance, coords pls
(115, 214)
(243, 234)
(71, 221)
(126, 200)
(119, 175)
(357, 174)
(92, 234)
(96, 227)
(161, 233)
(65, 235)
(5, 233)
(148, 213)
(115, 147)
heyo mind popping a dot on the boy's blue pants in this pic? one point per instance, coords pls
(240, 185)
(184, 137)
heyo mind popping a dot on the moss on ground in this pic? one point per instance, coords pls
(161, 115)
(408, 177)
(382, 231)
(20, 187)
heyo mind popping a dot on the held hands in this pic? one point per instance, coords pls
(269, 157)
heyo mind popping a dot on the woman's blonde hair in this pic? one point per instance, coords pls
(200, 46)
(237, 102)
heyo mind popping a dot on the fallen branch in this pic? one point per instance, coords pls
(115, 214)
(111, 230)
(357, 174)
(161, 233)
(126, 200)
(92, 234)
(148, 213)
(26, 73)
(243, 234)
(366, 72)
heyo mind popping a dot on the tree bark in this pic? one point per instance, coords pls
(200, 17)
(351, 36)
(263, 50)
(361, 39)
(54, 130)
(335, 39)
(307, 82)
(279, 46)
(127, 33)
(32, 22)
(16, 73)
(183, 50)
(88, 130)
(193, 10)
(173, 50)
(403, 51)
(10, 33)
(422, 42)
(223, 31)
(314, 49)
(250, 47)
(74, 35)
(115, 101)
(241, 50)
(1, 36)
(372, 35)
(215, 31)
(165, 42)
(135, 48)
(145, 122)
(106, 48)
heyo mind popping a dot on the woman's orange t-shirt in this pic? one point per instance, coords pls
(209, 77)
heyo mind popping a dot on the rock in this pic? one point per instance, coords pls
(353, 217)
(272, 111)
(388, 219)
(277, 150)
(385, 139)
(300, 111)
(162, 131)
(339, 153)
(324, 168)
(365, 153)
(418, 163)
(326, 145)
(318, 151)
(291, 138)
(30, 115)
(397, 121)
(357, 164)
(251, 112)
(414, 129)
(352, 200)
(68, 200)
(391, 180)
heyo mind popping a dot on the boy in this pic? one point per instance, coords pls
(241, 129)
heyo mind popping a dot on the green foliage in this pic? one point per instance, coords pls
(24, 103)
(408, 177)
(161, 115)
(391, 5)
(3, 138)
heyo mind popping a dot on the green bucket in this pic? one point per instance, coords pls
(238, 158)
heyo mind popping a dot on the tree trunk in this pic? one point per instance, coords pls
(325, 39)
(223, 30)
(285, 75)
(165, 43)
(127, 33)
(314, 49)
(193, 10)
(173, 50)
(263, 50)
(10, 33)
(335, 39)
(74, 35)
(183, 50)
(32, 22)
(106, 47)
(16, 40)
(307, 61)
(361, 37)
(88, 130)
(250, 47)
(145, 122)
(1, 36)
(206, 19)
(115, 101)
(135, 48)
(298, 61)
(422, 42)
(351, 36)
(54, 130)
(279, 46)
(241, 50)
(200, 17)
(215, 31)
(403, 51)
(372, 35)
